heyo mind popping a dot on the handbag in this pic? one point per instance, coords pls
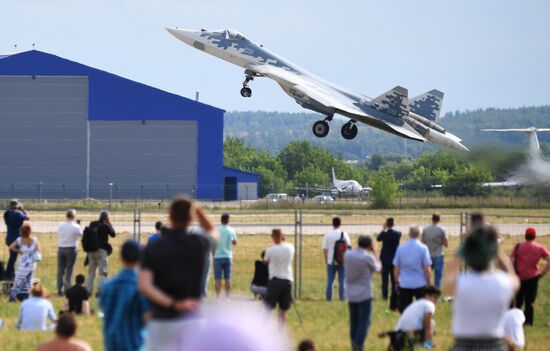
(36, 256)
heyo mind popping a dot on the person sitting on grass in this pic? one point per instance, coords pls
(36, 311)
(64, 337)
(258, 286)
(77, 297)
(417, 318)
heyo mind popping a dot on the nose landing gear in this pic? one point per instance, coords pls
(246, 91)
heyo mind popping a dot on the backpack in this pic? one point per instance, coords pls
(90, 238)
(340, 248)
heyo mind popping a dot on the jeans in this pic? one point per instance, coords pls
(10, 268)
(66, 258)
(528, 293)
(97, 260)
(359, 322)
(387, 271)
(406, 297)
(331, 274)
(437, 265)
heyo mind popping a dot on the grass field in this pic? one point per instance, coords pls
(325, 323)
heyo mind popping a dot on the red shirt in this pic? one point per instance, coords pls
(529, 253)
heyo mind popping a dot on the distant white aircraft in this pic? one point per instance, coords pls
(390, 111)
(536, 171)
(342, 188)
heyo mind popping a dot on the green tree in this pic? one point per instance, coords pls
(311, 175)
(384, 189)
(467, 181)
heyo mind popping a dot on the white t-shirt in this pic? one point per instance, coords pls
(279, 258)
(69, 233)
(329, 240)
(480, 303)
(412, 318)
(513, 326)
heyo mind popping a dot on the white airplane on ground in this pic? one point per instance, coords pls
(536, 171)
(346, 188)
(390, 111)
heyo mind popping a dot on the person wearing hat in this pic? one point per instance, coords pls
(526, 257)
(14, 217)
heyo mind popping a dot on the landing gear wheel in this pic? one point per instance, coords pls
(246, 92)
(320, 129)
(349, 131)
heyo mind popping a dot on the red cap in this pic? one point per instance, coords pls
(530, 233)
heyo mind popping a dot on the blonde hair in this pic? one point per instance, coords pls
(25, 230)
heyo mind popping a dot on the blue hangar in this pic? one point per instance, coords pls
(72, 131)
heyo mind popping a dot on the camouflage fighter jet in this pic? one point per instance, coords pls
(391, 111)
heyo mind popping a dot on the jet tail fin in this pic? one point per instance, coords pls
(333, 176)
(394, 102)
(428, 105)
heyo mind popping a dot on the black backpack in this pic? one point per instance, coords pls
(340, 248)
(90, 238)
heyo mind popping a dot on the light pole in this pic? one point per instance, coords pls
(110, 194)
(40, 191)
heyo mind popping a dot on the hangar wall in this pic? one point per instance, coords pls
(42, 135)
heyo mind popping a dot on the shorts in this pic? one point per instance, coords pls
(279, 292)
(222, 267)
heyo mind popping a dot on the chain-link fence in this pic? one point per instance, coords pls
(303, 228)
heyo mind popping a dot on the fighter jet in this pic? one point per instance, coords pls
(536, 171)
(390, 111)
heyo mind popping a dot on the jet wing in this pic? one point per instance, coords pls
(307, 91)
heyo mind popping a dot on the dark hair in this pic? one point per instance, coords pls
(480, 248)
(476, 218)
(180, 211)
(158, 225)
(364, 241)
(436, 217)
(103, 215)
(277, 232)
(66, 325)
(306, 345)
(225, 218)
(262, 254)
(130, 251)
(336, 222)
(390, 222)
(432, 291)
(80, 279)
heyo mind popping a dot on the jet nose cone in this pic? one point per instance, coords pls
(185, 35)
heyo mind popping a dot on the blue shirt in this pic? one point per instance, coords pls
(412, 257)
(224, 249)
(123, 308)
(390, 242)
(14, 220)
(152, 238)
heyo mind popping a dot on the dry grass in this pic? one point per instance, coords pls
(325, 323)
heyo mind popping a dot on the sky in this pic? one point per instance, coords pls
(491, 53)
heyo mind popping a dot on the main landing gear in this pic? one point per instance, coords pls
(349, 130)
(246, 91)
(321, 128)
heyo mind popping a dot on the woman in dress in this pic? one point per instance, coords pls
(27, 248)
(482, 294)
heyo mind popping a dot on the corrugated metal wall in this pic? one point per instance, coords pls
(43, 136)
(149, 159)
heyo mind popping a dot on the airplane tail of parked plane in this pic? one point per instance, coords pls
(394, 102)
(534, 147)
(428, 105)
(334, 180)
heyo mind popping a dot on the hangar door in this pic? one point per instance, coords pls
(143, 159)
(43, 136)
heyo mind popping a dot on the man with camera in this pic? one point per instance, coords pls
(14, 217)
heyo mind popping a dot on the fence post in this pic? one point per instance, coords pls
(295, 254)
(301, 255)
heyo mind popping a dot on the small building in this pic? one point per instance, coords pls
(72, 131)
(240, 185)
